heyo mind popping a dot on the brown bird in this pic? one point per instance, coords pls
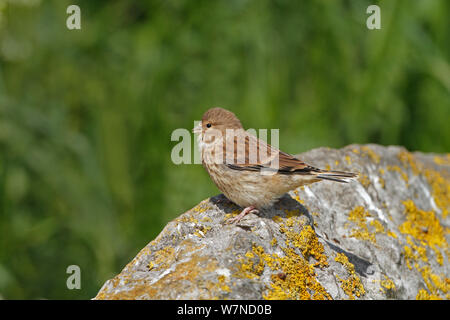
(250, 172)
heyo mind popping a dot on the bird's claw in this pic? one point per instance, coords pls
(241, 215)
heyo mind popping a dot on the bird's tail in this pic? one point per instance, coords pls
(338, 176)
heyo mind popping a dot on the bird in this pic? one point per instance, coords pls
(247, 170)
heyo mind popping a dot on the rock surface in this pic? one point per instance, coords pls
(384, 236)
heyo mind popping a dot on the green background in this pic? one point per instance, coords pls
(86, 115)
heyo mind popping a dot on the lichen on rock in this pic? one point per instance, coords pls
(384, 236)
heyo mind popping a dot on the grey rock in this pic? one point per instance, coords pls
(384, 236)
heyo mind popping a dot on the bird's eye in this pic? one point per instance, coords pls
(208, 125)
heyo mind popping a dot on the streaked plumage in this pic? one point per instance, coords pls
(250, 172)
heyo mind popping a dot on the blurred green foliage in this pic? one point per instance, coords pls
(86, 115)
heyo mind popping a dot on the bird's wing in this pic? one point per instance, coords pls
(252, 154)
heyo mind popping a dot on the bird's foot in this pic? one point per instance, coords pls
(241, 215)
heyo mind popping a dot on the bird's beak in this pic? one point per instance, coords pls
(197, 129)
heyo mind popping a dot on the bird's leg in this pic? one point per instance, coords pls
(241, 215)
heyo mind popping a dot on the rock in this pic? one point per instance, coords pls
(384, 236)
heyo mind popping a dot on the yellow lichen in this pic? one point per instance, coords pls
(201, 231)
(424, 295)
(297, 197)
(222, 283)
(277, 219)
(408, 159)
(232, 214)
(306, 241)
(387, 284)
(372, 155)
(443, 160)
(348, 159)
(392, 234)
(440, 185)
(364, 179)
(295, 277)
(359, 217)
(292, 213)
(422, 225)
(182, 279)
(206, 219)
(310, 246)
(299, 280)
(419, 251)
(250, 268)
(440, 190)
(400, 171)
(379, 228)
(352, 286)
(423, 231)
(435, 284)
(274, 242)
(381, 182)
(163, 258)
(409, 256)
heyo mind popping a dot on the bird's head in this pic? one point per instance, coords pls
(217, 120)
